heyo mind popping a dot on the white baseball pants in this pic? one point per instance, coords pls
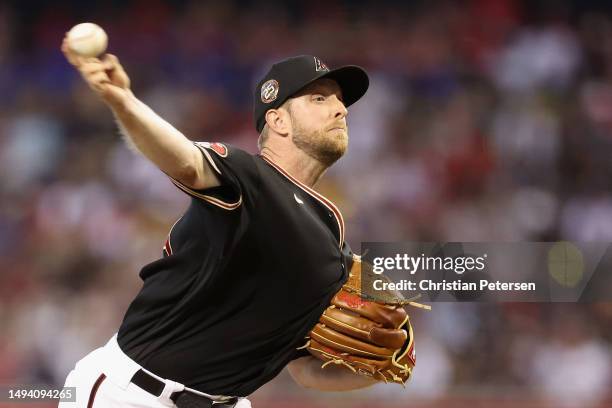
(102, 379)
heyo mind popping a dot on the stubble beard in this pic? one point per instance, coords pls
(321, 146)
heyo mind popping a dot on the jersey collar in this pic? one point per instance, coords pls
(319, 197)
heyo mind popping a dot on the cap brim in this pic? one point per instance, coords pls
(353, 81)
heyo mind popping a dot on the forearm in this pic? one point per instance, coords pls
(157, 139)
(307, 372)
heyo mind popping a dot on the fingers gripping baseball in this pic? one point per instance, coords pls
(115, 71)
(104, 75)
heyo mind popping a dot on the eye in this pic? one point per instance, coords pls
(319, 98)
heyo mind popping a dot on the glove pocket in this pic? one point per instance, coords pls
(361, 328)
(387, 315)
(346, 344)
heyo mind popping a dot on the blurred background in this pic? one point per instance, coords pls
(486, 120)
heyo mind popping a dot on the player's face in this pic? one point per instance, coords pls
(318, 120)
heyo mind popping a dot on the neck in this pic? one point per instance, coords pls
(297, 163)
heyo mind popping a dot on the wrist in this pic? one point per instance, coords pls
(122, 103)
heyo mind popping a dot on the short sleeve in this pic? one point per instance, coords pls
(237, 172)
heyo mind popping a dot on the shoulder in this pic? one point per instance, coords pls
(221, 155)
(223, 150)
(234, 167)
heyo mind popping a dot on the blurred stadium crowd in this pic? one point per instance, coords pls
(485, 121)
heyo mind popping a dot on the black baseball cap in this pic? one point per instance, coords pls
(291, 75)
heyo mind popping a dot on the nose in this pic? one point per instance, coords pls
(340, 109)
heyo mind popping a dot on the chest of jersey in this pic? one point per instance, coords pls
(239, 285)
(301, 232)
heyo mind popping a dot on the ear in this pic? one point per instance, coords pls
(279, 121)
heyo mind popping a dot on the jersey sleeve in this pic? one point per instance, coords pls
(236, 170)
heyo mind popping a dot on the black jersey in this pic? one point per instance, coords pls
(245, 274)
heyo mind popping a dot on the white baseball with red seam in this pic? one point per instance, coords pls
(87, 39)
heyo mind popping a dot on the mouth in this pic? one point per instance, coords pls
(341, 125)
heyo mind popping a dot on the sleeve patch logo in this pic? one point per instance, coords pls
(218, 148)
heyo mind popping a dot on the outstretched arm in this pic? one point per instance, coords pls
(155, 138)
(307, 372)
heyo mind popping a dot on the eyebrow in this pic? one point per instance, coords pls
(320, 89)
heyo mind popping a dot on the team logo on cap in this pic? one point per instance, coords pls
(269, 91)
(319, 65)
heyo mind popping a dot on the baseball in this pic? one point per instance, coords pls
(87, 39)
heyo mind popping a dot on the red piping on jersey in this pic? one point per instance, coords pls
(210, 199)
(168, 245)
(325, 201)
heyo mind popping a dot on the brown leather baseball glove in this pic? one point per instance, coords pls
(369, 334)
